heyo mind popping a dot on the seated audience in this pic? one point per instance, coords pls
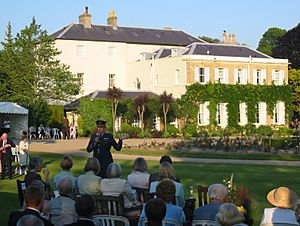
(155, 176)
(155, 210)
(229, 215)
(30, 220)
(85, 207)
(66, 164)
(114, 185)
(63, 207)
(139, 178)
(165, 191)
(35, 166)
(283, 199)
(89, 183)
(34, 204)
(217, 194)
(167, 171)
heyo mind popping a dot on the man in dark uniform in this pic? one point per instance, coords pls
(100, 143)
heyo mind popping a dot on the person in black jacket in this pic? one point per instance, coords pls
(34, 204)
(100, 144)
(6, 155)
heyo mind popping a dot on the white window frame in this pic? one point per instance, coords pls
(111, 80)
(261, 113)
(278, 77)
(221, 75)
(222, 115)
(279, 113)
(80, 51)
(137, 84)
(112, 52)
(204, 75)
(240, 76)
(177, 76)
(156, 124)
(243, 120)
(259, 76)
(136, 123)
(203, 114)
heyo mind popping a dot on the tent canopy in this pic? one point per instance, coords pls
(18, 117)
(12, 108)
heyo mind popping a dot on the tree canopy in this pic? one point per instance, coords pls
(30, 73)
(209, 39)
(294, 81)
(288, 46)
(270, 39)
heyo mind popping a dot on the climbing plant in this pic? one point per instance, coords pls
(235, 94)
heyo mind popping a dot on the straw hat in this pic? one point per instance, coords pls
(282, 197)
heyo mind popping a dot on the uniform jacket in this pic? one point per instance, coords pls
(101, 149)
(8, 150)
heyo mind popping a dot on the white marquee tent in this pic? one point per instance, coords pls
(18, 117)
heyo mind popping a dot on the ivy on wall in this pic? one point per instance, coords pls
(233, 95)
(93, 109)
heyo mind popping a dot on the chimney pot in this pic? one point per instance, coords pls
(112, 19)
(86, 9)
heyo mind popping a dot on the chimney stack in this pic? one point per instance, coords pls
(229, 38)
(85, 18)
(112, 19)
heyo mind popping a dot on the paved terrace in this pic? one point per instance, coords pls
(72, 147)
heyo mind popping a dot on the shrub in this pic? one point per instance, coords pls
(190, 130)
(130, 130)
(282, 131)
(172, 130)
(264, 131)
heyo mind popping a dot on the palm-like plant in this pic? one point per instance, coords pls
(139, 103)
(166, 100)
(114, 95)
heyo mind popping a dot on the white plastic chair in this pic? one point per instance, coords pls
(15, 153)
(110, 220)
(204, 223)
(55, 133)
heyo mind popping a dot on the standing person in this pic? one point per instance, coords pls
(100, 144)
(66, 128)
(24, 155)
(6, 155)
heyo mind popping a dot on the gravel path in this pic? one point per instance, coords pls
(72, 147)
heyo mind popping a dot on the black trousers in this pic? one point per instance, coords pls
(6, 163)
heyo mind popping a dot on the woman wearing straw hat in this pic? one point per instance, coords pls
(283, 199)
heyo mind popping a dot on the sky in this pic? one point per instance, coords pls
(248, 19)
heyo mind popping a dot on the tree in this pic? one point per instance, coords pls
(166, 101)
(288, 47)
(33, 73)
(139, 103)
(114, 95)
(294, 81)
(270, 39)
(210, 40)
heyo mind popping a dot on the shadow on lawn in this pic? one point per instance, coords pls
(9, 202)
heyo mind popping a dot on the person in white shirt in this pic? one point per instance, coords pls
(139, 177)
(283, 199)
(24, 155)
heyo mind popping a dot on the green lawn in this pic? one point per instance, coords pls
(258, 179)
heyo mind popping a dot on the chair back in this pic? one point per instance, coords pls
(109, 205)
(143, 194)
(278, 224)
(204, 223)
(15, 153)
(203, 198)
(110, 220)
(21, 185)
(166, 222)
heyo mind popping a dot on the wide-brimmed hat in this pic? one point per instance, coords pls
(282, 197)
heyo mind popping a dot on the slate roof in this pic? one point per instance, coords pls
(102, 94)
(125, 34)
(223, 50)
